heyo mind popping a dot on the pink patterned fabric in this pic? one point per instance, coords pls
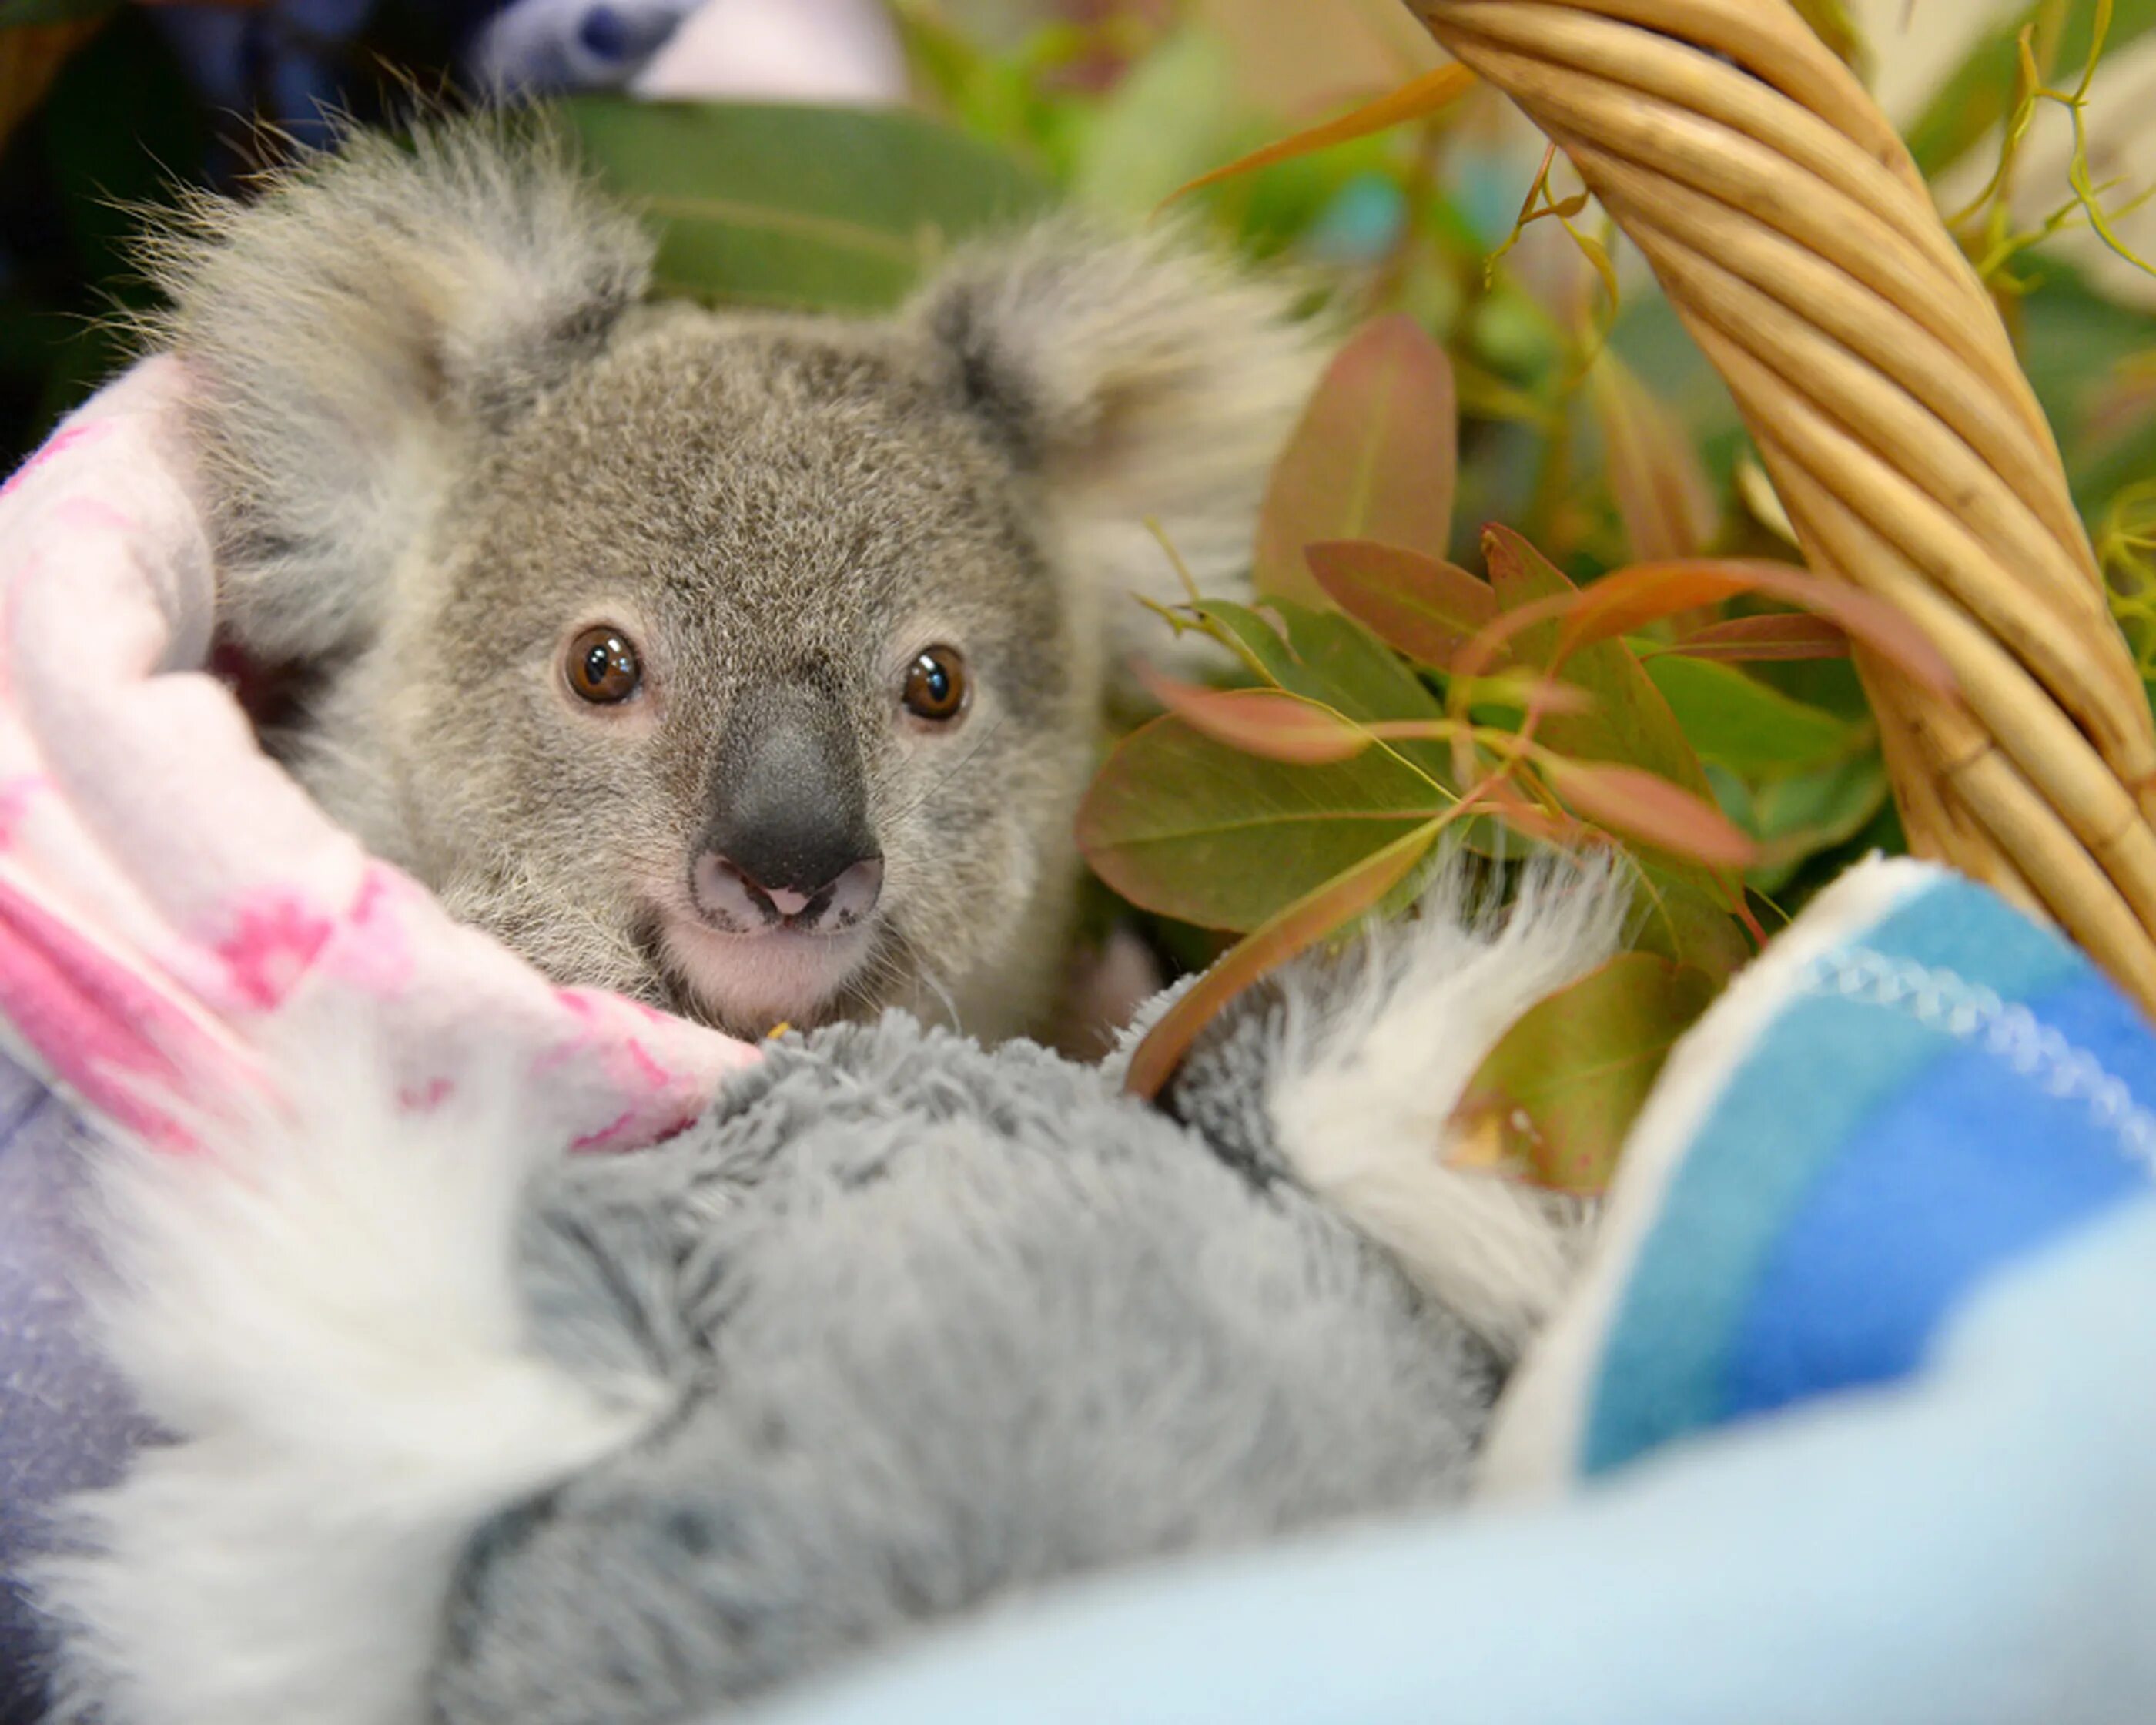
(172, 903)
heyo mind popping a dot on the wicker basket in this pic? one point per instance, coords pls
(1796, 238)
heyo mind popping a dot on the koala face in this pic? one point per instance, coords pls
(753, 665)
(739, 674)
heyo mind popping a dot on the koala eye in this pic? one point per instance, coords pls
(602, 666)
(936, 685)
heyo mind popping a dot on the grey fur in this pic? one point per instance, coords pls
(945, 1327)
(443, 432)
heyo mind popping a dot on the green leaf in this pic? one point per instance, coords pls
(1739, 721)
(1166, 122)
(1797, 818)
(790, 205)
(1197, 830)
(1655, 474)
(2073, 341)
(1376, 456)
(1831, 22)
(1322, 655)
(1326, 656)
(1978, 93)
(1556, 1097)
(1420, 605)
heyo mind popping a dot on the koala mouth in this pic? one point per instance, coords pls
(749, 981)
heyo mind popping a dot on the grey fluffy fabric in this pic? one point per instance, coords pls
(467, 1429)
(945, 1325)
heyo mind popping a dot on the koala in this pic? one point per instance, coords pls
(750, 664)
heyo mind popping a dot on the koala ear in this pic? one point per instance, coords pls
(1138, 377)
(343, 331)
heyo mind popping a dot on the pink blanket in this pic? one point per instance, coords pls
(171, 901)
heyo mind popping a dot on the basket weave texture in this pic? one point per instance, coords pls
(1796, 238)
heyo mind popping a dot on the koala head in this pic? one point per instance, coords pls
(751, 663)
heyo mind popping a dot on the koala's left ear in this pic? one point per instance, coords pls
(1137, 376)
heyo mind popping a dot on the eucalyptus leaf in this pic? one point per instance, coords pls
(1327, 656)
(790, 205)
(1556, 1097)
(2073, 339)
(1197, 830)
(1737, 720)
(1172, 118)
(1375, 456)
(1686, 908)
(1797, 818)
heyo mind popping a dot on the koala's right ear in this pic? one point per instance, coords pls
(1138, 377)
(376, 306)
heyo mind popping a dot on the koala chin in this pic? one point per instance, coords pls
(751, 664)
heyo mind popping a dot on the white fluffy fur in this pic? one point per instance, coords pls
(320, 1310)
(1534, 1443)
(1363, 1093)
(1158, 385)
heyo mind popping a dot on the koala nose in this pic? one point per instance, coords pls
(790, 843)
(737, 901)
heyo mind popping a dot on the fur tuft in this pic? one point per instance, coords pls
(321, 1310)
(343, 329)
(1144, 378)
(1366, 1079)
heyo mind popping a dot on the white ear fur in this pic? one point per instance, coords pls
(373, 302)
(1144, 378)
(320, 1308)
(1364, 1088)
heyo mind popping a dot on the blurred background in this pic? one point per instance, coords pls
(820, 152)
(104, 105)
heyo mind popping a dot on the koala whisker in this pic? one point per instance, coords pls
(943, 780)
(923, 972)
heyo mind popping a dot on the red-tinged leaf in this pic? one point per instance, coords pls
(1529, 690)
(1434, 91)
(1661, 490)
(1421, 606)
(1630, 722)
(1626, 599)
(1555, 1101)
(1374, 457)
(1530, 817)
(1784, 635)
(1634, 803)
(1264, 722)
(1631, 598)
(1688, 908)
(1296, 929)
(1192, 829)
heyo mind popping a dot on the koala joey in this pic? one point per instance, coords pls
(751, 664)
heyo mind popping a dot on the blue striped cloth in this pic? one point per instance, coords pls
(1940, 1094)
